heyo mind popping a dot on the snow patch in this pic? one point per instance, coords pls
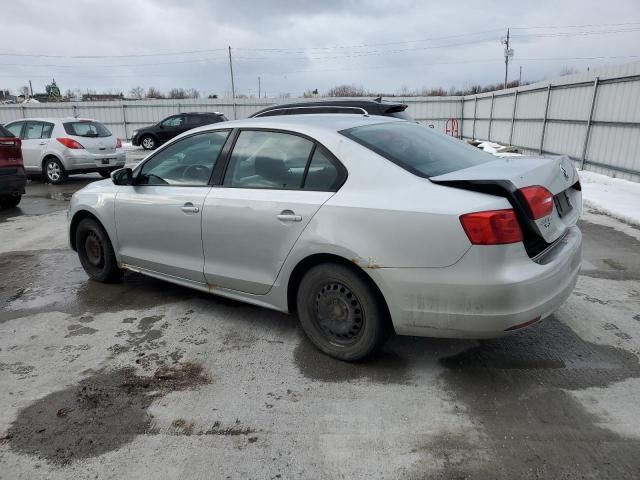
(614, 196)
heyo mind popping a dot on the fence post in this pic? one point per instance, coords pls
(544, 120)
(475, 109)
(596, 81)
(493, 96)
(74, 111)
(124, 121)
(513, 115)
(23, 108)
(461, 118)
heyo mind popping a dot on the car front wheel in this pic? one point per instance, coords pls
(54, 171)
(96, 252)
(148, 142)
(340, 312)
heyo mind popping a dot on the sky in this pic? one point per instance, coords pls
(295, 46)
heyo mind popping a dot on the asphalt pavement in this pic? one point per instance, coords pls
(145, 379)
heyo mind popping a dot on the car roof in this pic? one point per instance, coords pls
(52, 119)
(372, 107)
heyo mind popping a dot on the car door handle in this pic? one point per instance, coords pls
(42, 143)
(189, 208)
(289, 216)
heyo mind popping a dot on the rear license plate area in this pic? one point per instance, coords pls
(563, 204)
(106, 161)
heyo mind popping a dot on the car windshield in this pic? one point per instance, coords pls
(86, 129)
(418, 149)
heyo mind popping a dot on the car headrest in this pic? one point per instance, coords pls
(273, 169)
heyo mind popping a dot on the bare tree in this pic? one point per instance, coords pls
(177, 93)
(347, 91)
(136, 92)
(153, 92)
(192, 93)
(24, 91)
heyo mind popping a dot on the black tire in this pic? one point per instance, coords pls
(53, 171)
(341, 313)
(96, 252)
(104, 173)
(148, 142)
(10, 201)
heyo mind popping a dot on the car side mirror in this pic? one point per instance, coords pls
(122, 176)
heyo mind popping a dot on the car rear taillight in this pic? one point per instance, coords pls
(539, 200)
(10, 142)
(70, 143)
(493, 227)
(118, 143)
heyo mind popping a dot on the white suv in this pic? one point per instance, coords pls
(57, 147)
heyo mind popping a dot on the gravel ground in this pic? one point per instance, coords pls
(145, 379)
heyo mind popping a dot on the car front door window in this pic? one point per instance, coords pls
(173, 122)
(15, 128)
(188, 162)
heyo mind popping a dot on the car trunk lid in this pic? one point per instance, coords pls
(508, 176)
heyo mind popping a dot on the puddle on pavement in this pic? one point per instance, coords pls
(101, 413)
(515, 389)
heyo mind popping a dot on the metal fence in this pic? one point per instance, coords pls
(593, 117)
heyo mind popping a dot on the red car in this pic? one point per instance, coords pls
(12, 176)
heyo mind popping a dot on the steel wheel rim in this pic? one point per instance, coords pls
(338, 313)
(53, 171)
(93, 250)
(147, 142)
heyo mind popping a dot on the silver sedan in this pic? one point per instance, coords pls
(360, 225)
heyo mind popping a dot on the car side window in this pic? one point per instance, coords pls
(33, 130)
(174, 121)
(47, 128)
(15, 128)
(187, 162)
(323, 174)
(262, 159)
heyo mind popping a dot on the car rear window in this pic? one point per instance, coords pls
(86, 129)
(5, 133)
(418, 149)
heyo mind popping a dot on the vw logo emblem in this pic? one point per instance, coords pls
(564, 171)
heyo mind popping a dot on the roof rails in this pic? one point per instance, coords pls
(358, 109)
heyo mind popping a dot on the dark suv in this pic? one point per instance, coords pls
(151, 137)
(358, 107)
(12, 176)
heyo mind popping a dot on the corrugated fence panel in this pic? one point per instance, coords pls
(565, 138)
(571, 103)
(527, 133)
(484, 107)
(503, 106)
(482, 129)
(531, 104)
(618, 102)
(500, 131)
(615, 146)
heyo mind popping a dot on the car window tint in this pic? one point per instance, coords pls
(47, 128)
(33, 130)
(187, 162)
(268, 160)
(86, 128)
(418, 149)
(15, 128)
(322, 173)
(175, 121)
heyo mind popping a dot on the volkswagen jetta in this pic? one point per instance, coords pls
(361, 225)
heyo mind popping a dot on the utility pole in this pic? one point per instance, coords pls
(30, 88)
(520, 77)
(508, 53)
(258, 87)
(233, 87)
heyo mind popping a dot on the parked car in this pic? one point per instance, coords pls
(359, 107)
(358, 224)
(58, 147)
(12, 177)
(151, 137)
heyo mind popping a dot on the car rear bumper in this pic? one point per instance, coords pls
(490, 292)
(82, 161)
(12, 183)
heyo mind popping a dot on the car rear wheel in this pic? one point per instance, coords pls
(104, 173)
(54, 171)
(148, 142)
(10, 201)
(340, 312)
(96, 252)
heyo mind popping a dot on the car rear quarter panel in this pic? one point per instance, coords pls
(384, 216)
